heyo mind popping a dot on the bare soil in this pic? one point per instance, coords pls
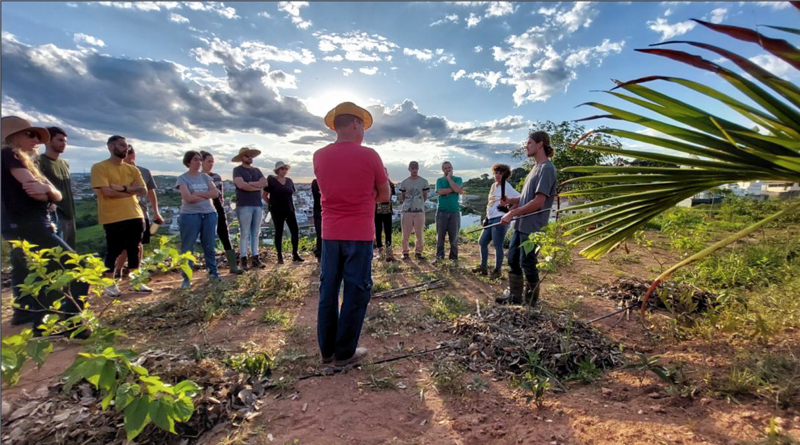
(346, 408)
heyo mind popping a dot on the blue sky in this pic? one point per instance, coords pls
(458, 81)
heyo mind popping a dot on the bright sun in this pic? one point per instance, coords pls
(321, 104)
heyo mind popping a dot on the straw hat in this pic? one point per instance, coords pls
(279, 165)
(252, 152)
(348, 108)
(15, 124)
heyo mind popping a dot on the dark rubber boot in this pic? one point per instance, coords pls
(515, 285)
(244, 263)
(531, 294)
(230, 255)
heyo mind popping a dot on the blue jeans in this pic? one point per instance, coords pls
(497, 236)
(519, 261)
(204, 225)
(249, 228)
(351, 261)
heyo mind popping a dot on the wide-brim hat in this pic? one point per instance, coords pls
(252, 152)
(15, 124)
(348, 108)
(279, 165)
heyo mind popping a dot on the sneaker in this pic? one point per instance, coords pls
(354, 360)
(480, 270)
(143, 288)
(112, 291)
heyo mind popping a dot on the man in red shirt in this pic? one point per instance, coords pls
(351, 180)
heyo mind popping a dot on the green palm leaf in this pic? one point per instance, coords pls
(710, 150)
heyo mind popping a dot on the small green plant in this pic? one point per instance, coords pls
(554, 250)
(534, 387)
(380, 377)
(774, 435)
(257, 365)
(164, 258)
(649, 364)
(381, 286)
(447, 307)
(448, 377)
(587, 372)
(274, 317)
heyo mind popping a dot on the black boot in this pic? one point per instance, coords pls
(515, 285)
(243, 263)
(297, 258)
(280, 257)
(531, 294)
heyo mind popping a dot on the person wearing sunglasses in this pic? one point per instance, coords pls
(278, 195)
(26, 195)
(249, 210)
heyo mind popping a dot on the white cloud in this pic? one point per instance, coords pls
(548, 11)
(718, 15)
(293, 11)
(585, 55)
(473, 20)
(356, 46)
(499, 9)
(177, 18)
(668, 12)
(89, 40)
(438, 56)
(423, 54)
(347, 71)
(248, 54)
(369, 71)
(487, 79)
(668, 30)
(478, 49)
(451, 18)
(336, 58)
(581, 15)
(72, 4)
(458, 75)
(774, 65)
(264, 14)
(216, 7)
(773, 5)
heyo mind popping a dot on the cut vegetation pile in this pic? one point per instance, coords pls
(508, 340)
(628, 291)
(53, 417)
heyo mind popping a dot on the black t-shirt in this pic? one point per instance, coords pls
(317, 199)
(17, 205)
(245, 198)
(280, 195)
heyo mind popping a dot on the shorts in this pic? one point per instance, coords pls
(146, 234)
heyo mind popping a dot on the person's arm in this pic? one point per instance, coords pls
(115, 191)
(151, 196)
(246, 186)
(456, 188)
(188, 196)
(535, 204)
(441, 191)
(265, 196)
(40, 191)
(425, 194)
(382, 192)
(402, 195)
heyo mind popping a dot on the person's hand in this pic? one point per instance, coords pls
(51, 207)
(448, 175)
(36, 188)
(504, 202)
(506, 219)
(157, 218)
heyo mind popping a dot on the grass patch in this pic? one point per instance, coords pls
(380, 377)
(447, 377)
(446, 307)
(273, 317)
(773, 376)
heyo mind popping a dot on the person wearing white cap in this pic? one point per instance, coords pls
(351, 179)
(26, 195)
(249, 210)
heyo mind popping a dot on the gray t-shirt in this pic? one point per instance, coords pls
(151, 185)
(413, 188)
(197, 183)
(541, 179)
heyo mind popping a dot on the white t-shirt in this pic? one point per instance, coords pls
(494, 199)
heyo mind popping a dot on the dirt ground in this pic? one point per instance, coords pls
(346, 409)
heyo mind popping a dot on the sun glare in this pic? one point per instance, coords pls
(320, 105)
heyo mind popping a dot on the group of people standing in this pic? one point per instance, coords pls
(352, 205)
